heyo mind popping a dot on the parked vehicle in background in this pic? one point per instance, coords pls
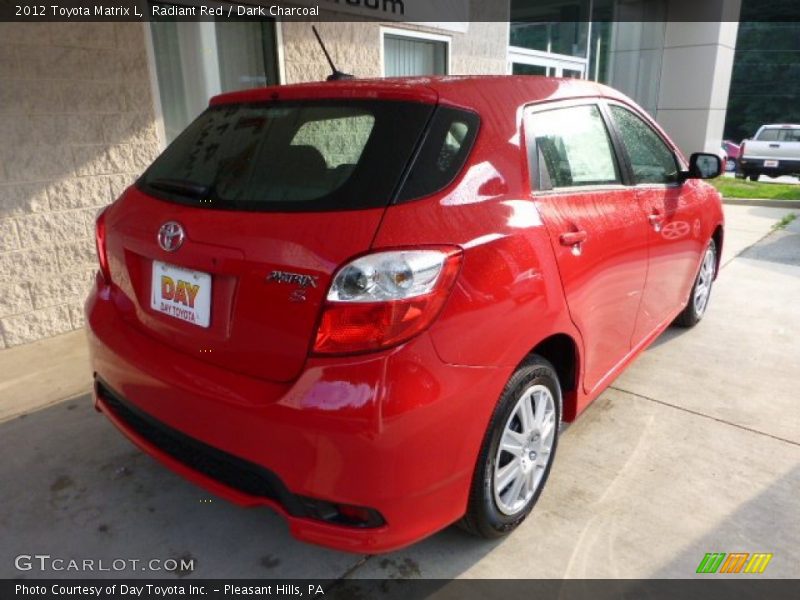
(731, 151)
(774, 151)
(370, 304)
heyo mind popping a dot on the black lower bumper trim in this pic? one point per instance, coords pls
(230, 470)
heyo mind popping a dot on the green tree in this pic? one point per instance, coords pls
(765, 86)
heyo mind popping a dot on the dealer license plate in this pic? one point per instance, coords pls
(181, 293)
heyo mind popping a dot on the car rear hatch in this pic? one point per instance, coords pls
(226, 245)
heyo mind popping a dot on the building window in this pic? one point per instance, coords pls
(195, 61)
(409, 53)
(525, 69)
(549, 38)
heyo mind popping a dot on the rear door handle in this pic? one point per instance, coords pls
(572, 237)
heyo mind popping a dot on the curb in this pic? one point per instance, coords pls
(762, 202)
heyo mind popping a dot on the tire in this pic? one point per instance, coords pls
(693, 313)
(493, 513)
(754, 176)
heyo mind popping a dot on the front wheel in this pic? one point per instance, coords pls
(517, 451)
(701, 291)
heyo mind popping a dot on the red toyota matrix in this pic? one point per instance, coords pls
(371, 304)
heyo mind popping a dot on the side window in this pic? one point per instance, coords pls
(652, 161)
(768, 135)
(443, 153)
(784, 134)
(571, 147)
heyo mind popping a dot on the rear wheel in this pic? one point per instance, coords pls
(754, 176)
(517, 451)
(701, 291)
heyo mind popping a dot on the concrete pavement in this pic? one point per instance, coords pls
(694, 449)
(42, 373)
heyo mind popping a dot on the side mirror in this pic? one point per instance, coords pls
(703, 165)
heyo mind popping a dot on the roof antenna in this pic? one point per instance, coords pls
(336, 75)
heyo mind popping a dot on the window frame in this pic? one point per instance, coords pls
(623, 151)
(412, 34)
(534, 175)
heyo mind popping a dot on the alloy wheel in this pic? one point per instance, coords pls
(703, 289)
(525, 449)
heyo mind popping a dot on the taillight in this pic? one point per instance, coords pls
(100, 245)
(386, 298)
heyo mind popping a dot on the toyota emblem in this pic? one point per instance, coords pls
(170, 236)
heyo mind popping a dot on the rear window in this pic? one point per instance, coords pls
(776, 134)
(300, 156)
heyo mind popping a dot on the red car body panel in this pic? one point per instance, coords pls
(264, 242)
(396, 430)
(679, 237)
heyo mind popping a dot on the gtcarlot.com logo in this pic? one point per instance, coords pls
(735, 562)
(46, 562)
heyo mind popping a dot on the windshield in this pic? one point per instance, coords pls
(310, 155)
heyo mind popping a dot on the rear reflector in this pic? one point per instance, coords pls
(342, 514)
(100, 246)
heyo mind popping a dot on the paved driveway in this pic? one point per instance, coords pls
(695, 449)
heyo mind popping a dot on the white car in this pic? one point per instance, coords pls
(774, 151)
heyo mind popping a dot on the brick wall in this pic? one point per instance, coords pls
(77, 126)
(355, 48)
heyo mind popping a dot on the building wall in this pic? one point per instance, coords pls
(695, 81)
(678, 70)
(635, 59)
(77, 125)
(355, 47)
(696, 71)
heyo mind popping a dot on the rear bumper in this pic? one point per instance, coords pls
(397, 432)
(756, 165)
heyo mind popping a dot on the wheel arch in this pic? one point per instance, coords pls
(718, 236)
(563, 352)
